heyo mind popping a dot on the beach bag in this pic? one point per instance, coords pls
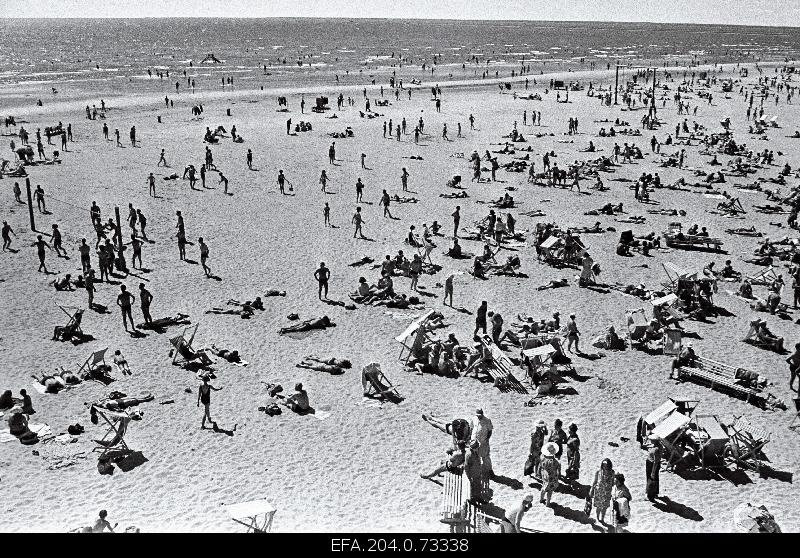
(75, 429)
(587, 506)
(104, 467)
(272, 409)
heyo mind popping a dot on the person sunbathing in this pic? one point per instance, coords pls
(554, 284)
(453, 464)
(178, 319)
(121, 363)
(120, 403)
(54, 383)
(246, 310)
(454, 195)
(230, 356)
(273, 292)
(308, 325)
(331, 365)
(762, 334)
(508, 268)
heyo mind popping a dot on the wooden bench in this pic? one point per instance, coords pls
(673, 241)
(716, 374)
(455, 494)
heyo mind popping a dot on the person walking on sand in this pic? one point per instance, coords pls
(204, 256)
(39, 195)
(322, 275)
(88, 282)
(145, 298)
(7, 232)
(456, 220)
(133, 136)
(358, 221)
(223, 180)
(404, 179)
(163, 159)
(652, 466)
(332, 153)
(363, 160)
(621, 499)
(326, 213)
(359, 190)
(142, 223)
(550, 471)
(480, 318)
(18, 193)
(151, 181)
(57, 242)
(125, 301)
(473, 471)
(448, 289)
(385, 201)
(40, 246)
(204, 397)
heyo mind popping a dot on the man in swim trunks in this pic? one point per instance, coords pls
(322, 275)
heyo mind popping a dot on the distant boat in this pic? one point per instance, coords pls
(211, 58)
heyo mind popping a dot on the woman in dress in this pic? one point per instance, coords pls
(573, 454)
(600, 492)
(550, 470)
(535, 457)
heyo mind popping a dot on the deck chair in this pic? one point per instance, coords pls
(114, 438)
(73, 327)
(95, 365)
(710, 439)
(416, 329)
(796, 417)
(637, 324)
(501, 369)
(375, 384)
(766, 277)
(675, 274)
(256, 515)
(746, 443)
(670, 432)
(672, 342)
(183, 346)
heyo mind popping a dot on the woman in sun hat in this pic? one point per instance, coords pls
(550, 471)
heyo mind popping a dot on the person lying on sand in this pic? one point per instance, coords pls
(454, 195)
(554, 284)
(246, 311)
(273, 292)
(308, 325)
(178, 319)
(230, 356)
(54, 383)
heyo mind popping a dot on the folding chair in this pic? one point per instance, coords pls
(672, 342)
(114, 438)
(375, 384)
(73, 327)
(416, 327)
(637, 324)
(183, 346)
(95, 363)
(256, 515)
(766, 276)
(746, 443)
(670, 431)
(796, 414)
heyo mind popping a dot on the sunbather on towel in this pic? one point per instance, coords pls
(246, 311)
(554, 284)
(308, 325)
(319, 366)
(230, 356)
(54, 383)
(121, 403)
(273, 292)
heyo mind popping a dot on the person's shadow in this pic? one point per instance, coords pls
(219, 430)
(664, 504)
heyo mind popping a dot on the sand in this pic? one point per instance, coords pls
(358, 469)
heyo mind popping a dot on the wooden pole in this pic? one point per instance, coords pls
(654, 91)
(616, 84)
(30, 204)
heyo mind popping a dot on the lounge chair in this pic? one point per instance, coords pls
(672, 341)
(746, 444)
(675, 274)
(184, 355)
(501, 369)
(637, 326)
(73, 327)
(417, 330)
(256, 515)
(95, 367)
(375, 384)
(754, 337)
(766, 276)
(114, 438)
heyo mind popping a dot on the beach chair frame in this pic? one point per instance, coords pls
(117, 423)
(256, 515)
(94, 361)
(746, 444)
(181, 342)
(417, 329)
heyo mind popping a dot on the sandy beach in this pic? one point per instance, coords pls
(355, 466)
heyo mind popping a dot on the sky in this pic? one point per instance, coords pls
(734, 12)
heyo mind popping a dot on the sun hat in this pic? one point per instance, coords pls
(550, 449)
(479, 412)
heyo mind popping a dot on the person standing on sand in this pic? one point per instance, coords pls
(471, 122)
(133, 136)
(359, 190)
(39, 195)
(40, 246)
(358, 221)
(363, 160)
(404, 179)
(18, 193)
(204, 256)
(151, 181)
(281, 181)
(326, 213)
(572, 334)
(322, 275)
(125, 301)
(480, 318)
(223, 180)
(332, 153)
(482, 429)
(250, 159)
(204, 397)
(323, 179)
(794, 368)
(472, 469)
(145, 298)
(88, 282)
(142, 223)
(448, 289)
(203, 175)
(289, 127)
(7, 232)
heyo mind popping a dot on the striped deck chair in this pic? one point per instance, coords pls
(114, 438)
